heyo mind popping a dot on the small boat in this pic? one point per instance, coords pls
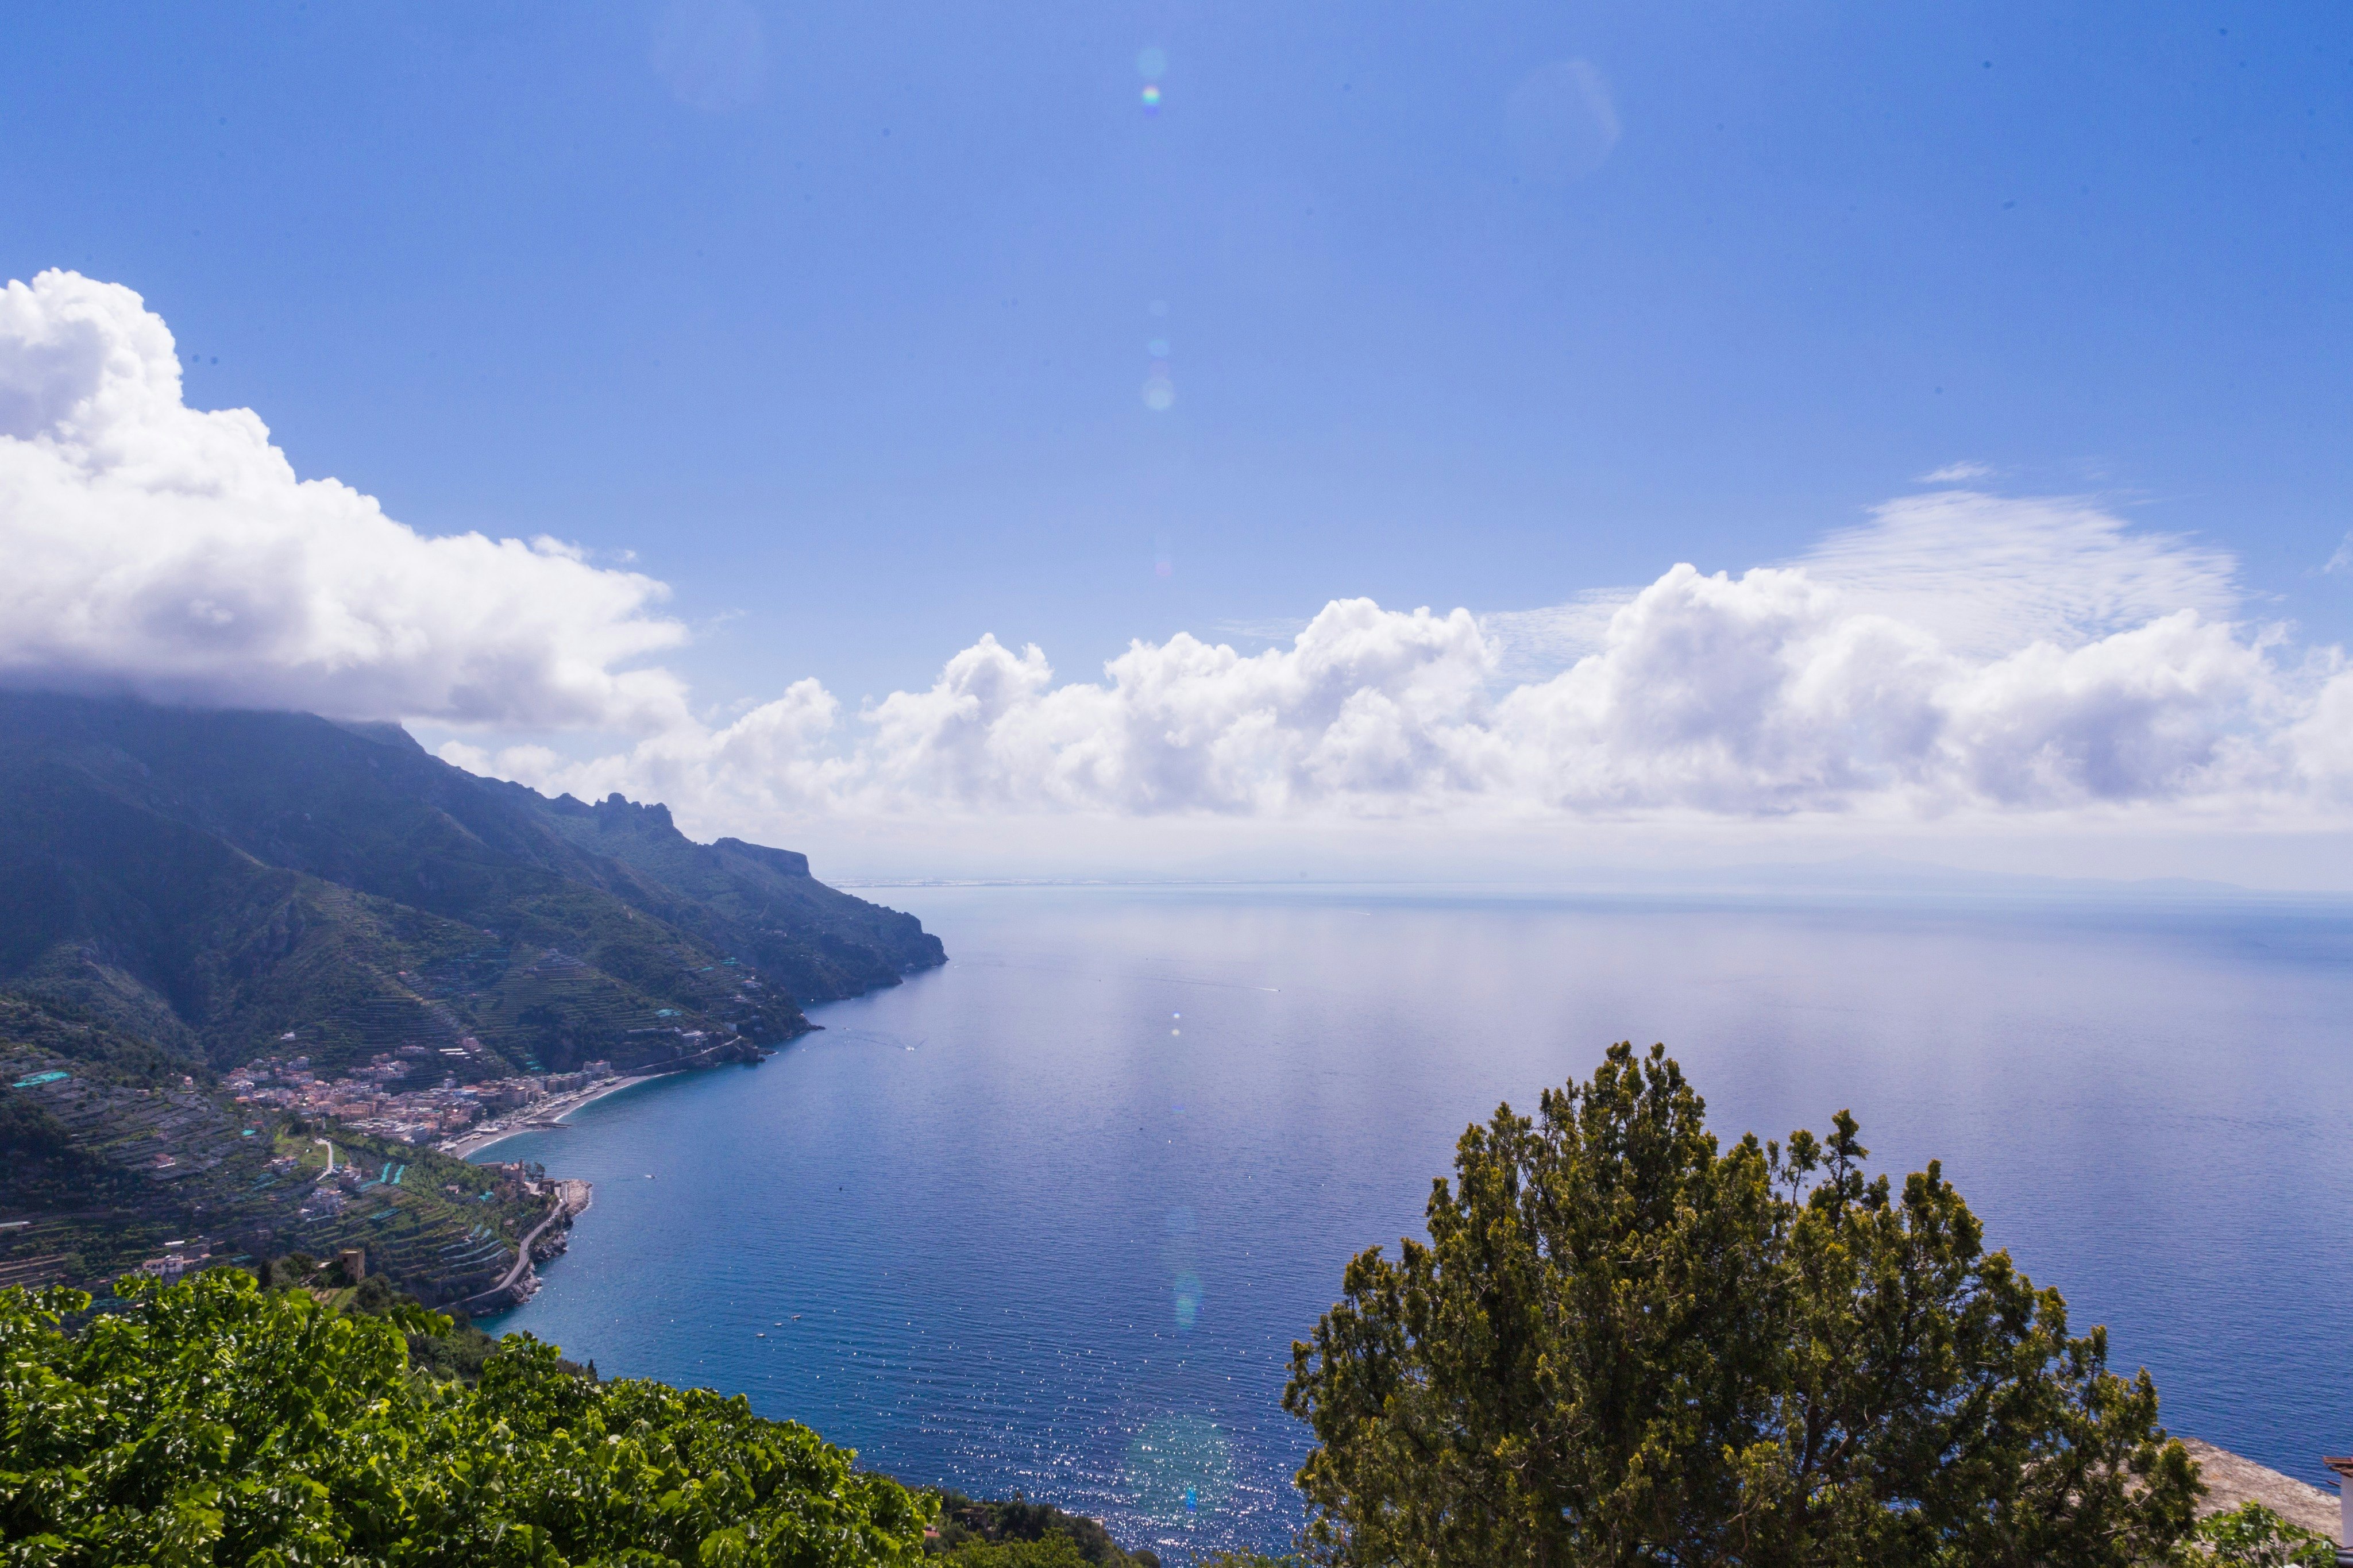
(761, 1335)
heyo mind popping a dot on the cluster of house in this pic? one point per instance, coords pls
(381, 1097)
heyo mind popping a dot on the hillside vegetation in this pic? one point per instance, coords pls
(216, 882)
(218, 928)
(218, 1422)
(108, 1152)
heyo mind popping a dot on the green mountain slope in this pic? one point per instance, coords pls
(759, 902)
(111, 1152)
(220, 883)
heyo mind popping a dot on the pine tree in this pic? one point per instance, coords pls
(1623, 1345)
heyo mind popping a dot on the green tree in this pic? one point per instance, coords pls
(1623, 1345)
(215, 1422)
(2254, 1536)
(1055, 1549)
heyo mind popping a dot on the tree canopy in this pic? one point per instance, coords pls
(1623, 1345)
(2254, 1536)
(214, 1421)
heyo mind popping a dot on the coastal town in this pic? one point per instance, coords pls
(416, 1095)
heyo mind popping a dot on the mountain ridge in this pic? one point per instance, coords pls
(222, 931)
(216, 879)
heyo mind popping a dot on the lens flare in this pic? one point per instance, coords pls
(1189, 1298)
(1151, 98)
(1160, 395)
(1151, 62)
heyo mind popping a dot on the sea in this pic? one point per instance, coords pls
(1047, 1220)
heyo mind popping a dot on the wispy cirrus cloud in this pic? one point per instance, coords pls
(1987, 574)
(1534, 645)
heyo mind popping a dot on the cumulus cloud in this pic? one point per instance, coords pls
(1986, 573)
(171, 550)
(1956, 653)
(1768, 694)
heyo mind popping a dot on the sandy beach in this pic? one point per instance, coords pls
(554, 1108)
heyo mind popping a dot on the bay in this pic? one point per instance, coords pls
(1050, 1218)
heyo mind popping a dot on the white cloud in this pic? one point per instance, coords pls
(1987, 574)
(170, 551)
(1990, 573)
(1960, 655)
(1957, 473)
(1769, 694)
(2342, 558)
(1776, 692)
(2320, 741)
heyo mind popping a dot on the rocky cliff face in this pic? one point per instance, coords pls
(761, 903)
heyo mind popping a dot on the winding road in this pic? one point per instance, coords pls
(572, 1198)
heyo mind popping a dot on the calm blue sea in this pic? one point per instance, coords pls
(1050, 1218)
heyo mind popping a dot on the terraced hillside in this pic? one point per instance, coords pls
(222, 883)
(111, 1156)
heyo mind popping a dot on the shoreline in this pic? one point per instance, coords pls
(552, 1109)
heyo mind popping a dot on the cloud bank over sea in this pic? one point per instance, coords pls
(1962, 654)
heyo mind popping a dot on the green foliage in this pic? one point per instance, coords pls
(968, 1526)
(213, 1422)
(213, 880)
(28, 1133)
(1623, 1346)
(2254, 1536)
(79, 1036)
(456, 1352)
(1053, 1550)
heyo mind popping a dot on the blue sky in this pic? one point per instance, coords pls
(860, 357)
(840, 318)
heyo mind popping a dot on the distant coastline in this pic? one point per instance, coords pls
(538, 1116)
